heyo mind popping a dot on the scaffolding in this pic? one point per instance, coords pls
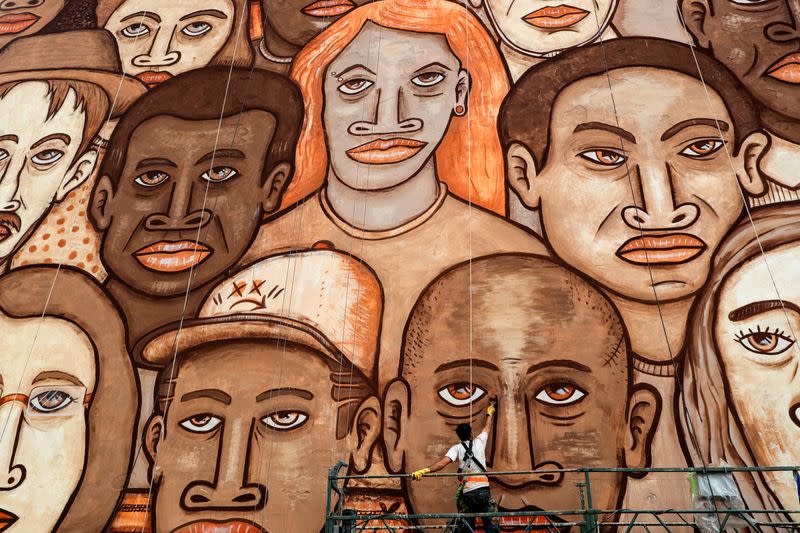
(712, 512)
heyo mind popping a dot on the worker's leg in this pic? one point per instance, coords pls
(485, 504)
(471, 505)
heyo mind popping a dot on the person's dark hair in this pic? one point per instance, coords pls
(525, 115)
(464, 432)
(76, 15)
(212, 93)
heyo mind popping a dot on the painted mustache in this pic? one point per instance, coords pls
(555, 17)
(9, 223)
(169, 257)
(329, 8)
(152, 78)
(17, 22)
(7, 519)
(208, 526)
(672, 249)
(786, 69)
(386, 151)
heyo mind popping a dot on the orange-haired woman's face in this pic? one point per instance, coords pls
(389, 99)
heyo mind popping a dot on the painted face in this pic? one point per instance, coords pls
(158, 39)
(561, 400)
(257, 440)
(756, 328)
(386, 113)
(36, 159)
(758, 40)
(541, 27)
(181, 207)
(19, 18)
(298, 21)
(651, 180)
(47, 368)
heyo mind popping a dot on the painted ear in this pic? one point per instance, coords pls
(754, 147)
(150, 441)
(644, 409)
(462, 93)
(274, 186)
(78, 174)
(522, 174)
(364, 433)
(694, 13)
(396, 403)
(99, 205)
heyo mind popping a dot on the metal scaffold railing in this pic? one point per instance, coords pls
(715, 506)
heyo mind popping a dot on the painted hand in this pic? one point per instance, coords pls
(419, 473)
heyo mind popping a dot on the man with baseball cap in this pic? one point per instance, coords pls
(56, 91)
(262, 392)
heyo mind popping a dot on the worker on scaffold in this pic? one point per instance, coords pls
(473, 495)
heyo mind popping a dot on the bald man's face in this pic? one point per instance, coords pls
(556, 359)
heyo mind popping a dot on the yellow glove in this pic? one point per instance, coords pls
(490, 410)
(419, 473)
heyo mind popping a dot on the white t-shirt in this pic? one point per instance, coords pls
(470, 469)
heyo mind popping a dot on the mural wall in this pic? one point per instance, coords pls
(242, 241)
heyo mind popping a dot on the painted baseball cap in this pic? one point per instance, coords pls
(320, 298)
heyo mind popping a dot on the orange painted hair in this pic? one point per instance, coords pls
(469, 159)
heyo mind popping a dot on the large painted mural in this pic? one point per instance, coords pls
(241, 241)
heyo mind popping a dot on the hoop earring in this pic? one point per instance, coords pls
(460, 110)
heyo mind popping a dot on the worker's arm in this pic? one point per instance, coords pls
(435, 467)
(489, 415)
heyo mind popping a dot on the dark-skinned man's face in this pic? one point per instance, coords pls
(759, 40)
(180, 206)
(299, 21)
(557, 364)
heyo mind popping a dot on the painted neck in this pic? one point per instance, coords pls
(385, 209)
(781, 125)
(277, 45)
(643, 321)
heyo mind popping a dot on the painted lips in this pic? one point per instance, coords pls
(9, 224)
(17, 22)
(7, 519)
(207, 526)
(672, 249)
(329, 8)
(786, 69)
(171, 257)
(386, 151)
(151, 78)
(555, 17)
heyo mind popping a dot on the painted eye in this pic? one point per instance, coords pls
(606, 158)
(428, 79)
(702, 148)
(47, 157)
(219, 174)
(51, 401)
(196, 29)
(3, 154)
(153, 178)
(203, 423)
(560, 394)
(355, 86)
(285, 420)
(766, 342)
(460, 394)
(135, 30)
(750, 2)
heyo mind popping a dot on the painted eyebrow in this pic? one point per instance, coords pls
(566, 363)
(233, 154)
(56, 374)
(466, 362)
(10, 137)
(155, 161)
(680, 126)
(209, 12)
(140, 14)
(63, 137)
(756, 308)
(605, 127)
(434, 64)
(214, 394)
(284, 391)
(352, 67)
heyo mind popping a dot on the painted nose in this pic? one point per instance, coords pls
(681, 217)
(162, 222)
(10, 205)
(8, 5)
(201, 496)
(370, 128)
(782, 32)
(387, 117)
(11, 475)
(157, 60)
